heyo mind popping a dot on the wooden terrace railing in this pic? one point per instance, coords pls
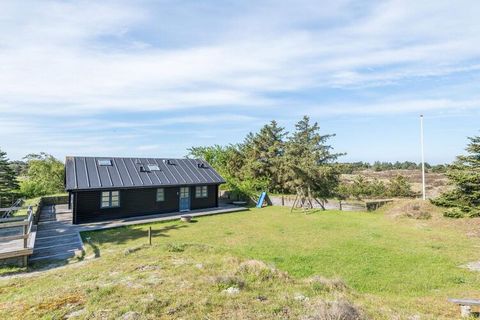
(12, 230)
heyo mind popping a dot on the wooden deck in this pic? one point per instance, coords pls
(17, 236)
(57, 238)
(159, 217)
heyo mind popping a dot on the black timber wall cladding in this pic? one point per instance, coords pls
(208, 202)
(136, 202)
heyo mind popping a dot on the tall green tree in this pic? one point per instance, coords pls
(264, 155)
(45, 175)
(8, 179)
(309, 159)
(464, 175)
(229, 162)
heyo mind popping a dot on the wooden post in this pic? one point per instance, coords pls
(25, 240)
(150, 236)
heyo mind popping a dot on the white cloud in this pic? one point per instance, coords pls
(396, 106)
(59, 55)
(83, 62)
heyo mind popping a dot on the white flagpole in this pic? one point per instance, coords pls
(423, 158)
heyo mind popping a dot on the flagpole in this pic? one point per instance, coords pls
(423, 158)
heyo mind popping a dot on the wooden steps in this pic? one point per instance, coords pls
(57, 238)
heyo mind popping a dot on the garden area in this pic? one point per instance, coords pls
(263, 263)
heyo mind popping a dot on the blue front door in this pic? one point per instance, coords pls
(184, 199)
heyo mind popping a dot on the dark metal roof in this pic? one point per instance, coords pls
(85, 173)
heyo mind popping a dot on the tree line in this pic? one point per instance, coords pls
(277, 161)
(37, 175)
(302, 161)
(352, 167)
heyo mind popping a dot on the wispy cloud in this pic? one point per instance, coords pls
(85, 64)
(56, 56)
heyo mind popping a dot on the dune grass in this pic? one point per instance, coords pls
(400, 267)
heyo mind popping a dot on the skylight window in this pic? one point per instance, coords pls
(104, 162)
(153, 167)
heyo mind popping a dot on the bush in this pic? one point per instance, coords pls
(224, 282)
(258, 270)
(175, 247)
(399, 187)
(321, 284)
(454, 213)
(45, 175)
(336, 310)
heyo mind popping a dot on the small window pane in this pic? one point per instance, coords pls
(104, 162)
(201, 192)
(160, 194)
(110, 199)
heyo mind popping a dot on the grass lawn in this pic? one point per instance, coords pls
(392, 267)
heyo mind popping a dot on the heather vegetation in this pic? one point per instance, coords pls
(363, 188)
(354, 167)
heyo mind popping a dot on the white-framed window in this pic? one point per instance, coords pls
(201, 192)
(110, 199)
(160, 194)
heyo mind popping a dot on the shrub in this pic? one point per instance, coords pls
(399, 187)
(321, 284)
(258, 270)
(224, 282)
(175, 247)
(454, 213)
(45, 175)
(336, 310)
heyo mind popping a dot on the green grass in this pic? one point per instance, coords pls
(404, 266)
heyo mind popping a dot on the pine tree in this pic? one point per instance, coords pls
(308, 158)
(8, 180)
(264, 153)
(464, 175)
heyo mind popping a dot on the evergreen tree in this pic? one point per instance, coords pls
(308, 158)
(399, 187)
(464, 175)
(8, 179)
(264, 153)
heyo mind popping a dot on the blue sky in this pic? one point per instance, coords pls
(152, 78)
